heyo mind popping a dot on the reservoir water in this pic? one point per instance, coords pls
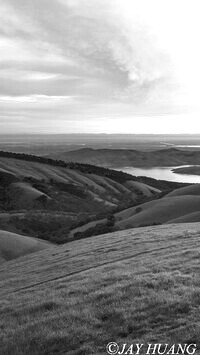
(162, 173)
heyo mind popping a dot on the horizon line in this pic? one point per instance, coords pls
(100, 134)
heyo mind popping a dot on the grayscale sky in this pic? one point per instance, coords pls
(110, 66)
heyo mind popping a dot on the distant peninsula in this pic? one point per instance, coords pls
(188, 170)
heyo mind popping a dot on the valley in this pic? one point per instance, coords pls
(46, 199)
(61, 201)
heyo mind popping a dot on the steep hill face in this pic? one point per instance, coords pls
(126, 287)
(125, 157)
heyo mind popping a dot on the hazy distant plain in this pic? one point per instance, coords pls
(46, 143)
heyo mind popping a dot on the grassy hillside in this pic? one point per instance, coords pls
(138, 285)
(179, 206)
(144, 188)
(158, 212)
(187, 190)
(187, 218)
(118, 176)
(14, 245)
(22, 195)
(58, 201)
(36, 188)
(126, 157)
(47, 199)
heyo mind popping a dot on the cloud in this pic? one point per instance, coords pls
(88, 35)
(81, 49)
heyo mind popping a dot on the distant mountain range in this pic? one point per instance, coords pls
(124, 157)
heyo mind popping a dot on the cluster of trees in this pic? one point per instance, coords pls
(42, 225)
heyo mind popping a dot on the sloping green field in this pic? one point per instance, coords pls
(140, 285)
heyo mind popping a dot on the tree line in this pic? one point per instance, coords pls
(118, 176)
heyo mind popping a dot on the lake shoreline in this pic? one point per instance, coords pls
(182, 173)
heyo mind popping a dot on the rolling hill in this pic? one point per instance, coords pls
(158, 212)
(14, 245)
(179, 206)
(134, 286)
(126, 157)
(47, 199)
(187, 190)
(60, 202)
(22, 195)
(187, 218)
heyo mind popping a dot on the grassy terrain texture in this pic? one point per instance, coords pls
(140, 285)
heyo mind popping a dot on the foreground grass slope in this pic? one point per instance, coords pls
(138, 285)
